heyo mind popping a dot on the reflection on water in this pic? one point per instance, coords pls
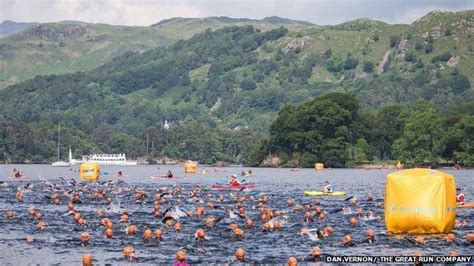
(60, 242)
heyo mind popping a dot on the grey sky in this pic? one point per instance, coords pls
(146, 12)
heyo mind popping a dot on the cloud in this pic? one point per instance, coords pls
(146, 12)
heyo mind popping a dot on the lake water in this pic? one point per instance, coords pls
(60, 242)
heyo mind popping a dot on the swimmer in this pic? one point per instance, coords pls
(240, 255)
(129, 253)
(370, 236)
(292, 261)
(347, 241)
(315, 255)
(312, 236)
(87, 260)
(181, 259)
(450, 238)
(200, 235)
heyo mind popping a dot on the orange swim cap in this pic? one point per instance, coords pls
(240, 254)
(109, 232)
(249, 223)
(87, 260)
(238, 232)
(85, 237)
(276, 225)
(450, 237)
(328, 230)
(147, 234)
(158, 233)
(316, 251)
(41, 225)
(29, 239)
(180, 256)
(292, 261)
(347, 239)
(420, 240)
(452, 253)
(200, 234)
(266, 226)
(353, 221)
(177, 227)
(127, 251)
(370, 233)
(131, 229)
(470, 238)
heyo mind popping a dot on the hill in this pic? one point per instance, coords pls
(69, 46)
(9, 27)
(221, 89)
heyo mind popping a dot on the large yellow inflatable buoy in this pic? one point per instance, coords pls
(89, 171)
(318, 166)
(420, 201)
(190, 167)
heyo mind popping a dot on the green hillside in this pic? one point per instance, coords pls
(222, 89)
(69, 46)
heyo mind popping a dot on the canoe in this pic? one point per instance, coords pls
(320, 193)
(467, 205)
(224, 187)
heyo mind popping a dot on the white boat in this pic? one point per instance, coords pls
(60, 163)
(105, 159)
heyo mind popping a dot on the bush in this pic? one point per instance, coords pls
(350, 63)
(248, 84)
(410, 57)
(368, 67)
(444, 57)
(418, 46)
(428, 48)
(394, 41)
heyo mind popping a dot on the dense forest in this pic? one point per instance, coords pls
(334, 130)
(241, 94)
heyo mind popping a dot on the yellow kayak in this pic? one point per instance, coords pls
(320, 193)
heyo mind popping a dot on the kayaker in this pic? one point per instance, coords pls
(327, 187)
(460, 196)
(169, 174)
(234, 182)
(249, 172)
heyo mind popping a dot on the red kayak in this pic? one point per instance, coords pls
(224, 187)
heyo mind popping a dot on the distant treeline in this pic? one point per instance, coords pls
(333, 129)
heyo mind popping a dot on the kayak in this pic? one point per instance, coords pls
(164, 177)
(467, 205)
(320, 193)
(223, 187)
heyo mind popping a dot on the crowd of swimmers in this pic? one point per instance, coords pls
(240, 221)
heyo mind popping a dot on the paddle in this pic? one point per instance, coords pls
(349, 198)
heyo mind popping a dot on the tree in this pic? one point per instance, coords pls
(248, 84)
(421, 136)
(388, 126)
